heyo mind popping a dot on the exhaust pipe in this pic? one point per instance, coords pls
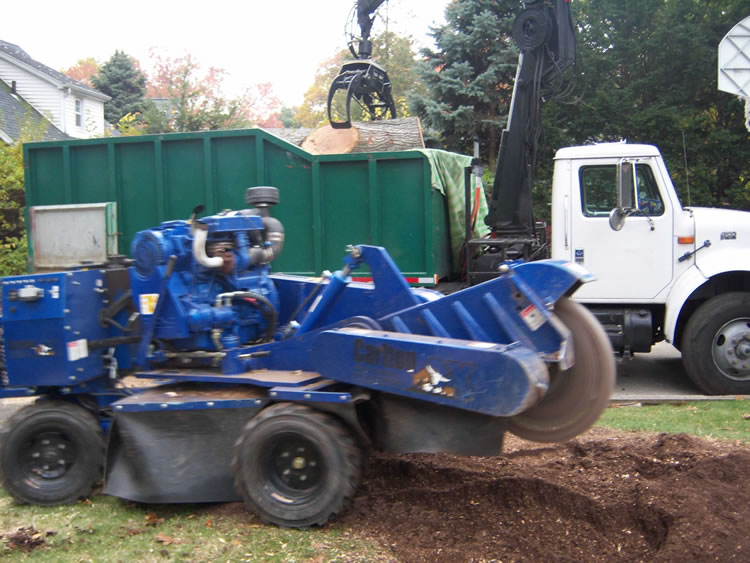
(200, 234)
(262, 198)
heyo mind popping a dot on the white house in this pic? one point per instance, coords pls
(74, 108)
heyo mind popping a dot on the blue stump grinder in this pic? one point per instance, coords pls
(193, 374)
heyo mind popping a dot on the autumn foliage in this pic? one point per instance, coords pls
(176, 95)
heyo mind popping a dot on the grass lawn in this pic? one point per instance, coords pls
(729, 420)
(106, 529)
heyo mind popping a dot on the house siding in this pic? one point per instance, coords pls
(92, 117)
(52, 94)
(45, 97)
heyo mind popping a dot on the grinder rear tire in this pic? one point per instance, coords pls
(576, 397)
(296, 467)
(51, 452)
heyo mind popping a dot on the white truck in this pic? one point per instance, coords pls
(664, 271)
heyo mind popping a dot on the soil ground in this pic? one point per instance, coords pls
(606, 496)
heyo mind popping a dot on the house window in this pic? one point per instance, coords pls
(79, 112)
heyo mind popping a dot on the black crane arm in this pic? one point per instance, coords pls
(545, 33)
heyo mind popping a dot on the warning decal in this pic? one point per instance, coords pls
(148, 303)
(532, 317)
(78, 349)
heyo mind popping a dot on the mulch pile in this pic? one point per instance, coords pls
(606, 496)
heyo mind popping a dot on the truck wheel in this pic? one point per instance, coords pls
(51, 452)
(576, 397)
(716, 345)
(296, 467)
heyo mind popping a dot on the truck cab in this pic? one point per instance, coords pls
(664, 271)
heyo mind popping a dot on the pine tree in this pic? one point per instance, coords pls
(469, 77)
(124, 83)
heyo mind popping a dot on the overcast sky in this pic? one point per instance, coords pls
(277, 41)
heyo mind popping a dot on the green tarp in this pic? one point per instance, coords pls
(448, 178)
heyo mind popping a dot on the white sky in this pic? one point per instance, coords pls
(277, 41)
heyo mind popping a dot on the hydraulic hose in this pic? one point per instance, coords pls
(263, 305)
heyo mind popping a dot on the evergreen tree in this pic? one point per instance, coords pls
(124, 83)
(286, 116)
(469, 77)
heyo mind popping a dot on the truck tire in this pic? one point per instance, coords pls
(51, 452)
(576, 397)
(296, 467)
(716, 345)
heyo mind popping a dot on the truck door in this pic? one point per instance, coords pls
(634, 263)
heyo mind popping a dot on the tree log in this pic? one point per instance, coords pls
(367, 136)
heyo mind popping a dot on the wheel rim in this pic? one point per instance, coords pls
(48, 456)
(293, 466)
(731, 349)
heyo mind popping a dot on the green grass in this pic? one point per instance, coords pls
(107, 529)
(728, 420)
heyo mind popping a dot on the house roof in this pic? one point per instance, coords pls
(16, 113)
(12, 52)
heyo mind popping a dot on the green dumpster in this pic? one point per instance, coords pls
(327, 202)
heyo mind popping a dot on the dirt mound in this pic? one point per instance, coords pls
(604, 497)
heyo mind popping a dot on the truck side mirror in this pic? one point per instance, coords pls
(625, 195)
(617, 218)
(625, 185)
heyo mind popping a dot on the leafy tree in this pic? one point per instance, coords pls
(312, 113)
(650, 73)
(120, 79)
(469, 75)
(13, 198)
(287, 118)
(11, 191)
(396, 54)
(186, 99)
(262, 105)
(393, 52)
(84, 71)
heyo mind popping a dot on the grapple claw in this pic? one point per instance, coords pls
(368, 84)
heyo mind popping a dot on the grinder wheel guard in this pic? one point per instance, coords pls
(576, 396)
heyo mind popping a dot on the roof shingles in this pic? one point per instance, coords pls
(20, 55)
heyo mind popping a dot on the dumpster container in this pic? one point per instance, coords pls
(327, 201)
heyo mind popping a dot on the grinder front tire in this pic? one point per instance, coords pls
(51, 452)
(577, 396)
(296, 467)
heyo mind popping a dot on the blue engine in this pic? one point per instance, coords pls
(203, 285)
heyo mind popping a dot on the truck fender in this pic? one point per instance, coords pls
(681, 291)
(552, 279)
(721, 260)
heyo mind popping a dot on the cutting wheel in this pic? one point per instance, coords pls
(577, 396)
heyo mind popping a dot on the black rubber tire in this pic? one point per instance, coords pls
(51, 452)
(707, 347)
(576, 397)
(302, 490)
